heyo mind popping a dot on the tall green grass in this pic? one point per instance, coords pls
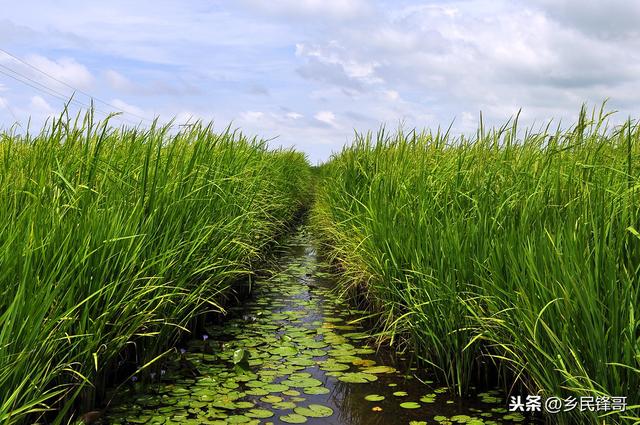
(523, 251)
(113, 239)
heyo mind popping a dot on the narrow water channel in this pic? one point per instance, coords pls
(292, 354)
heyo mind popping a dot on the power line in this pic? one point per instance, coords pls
(41, 87)
(51, 92)
(75, 89)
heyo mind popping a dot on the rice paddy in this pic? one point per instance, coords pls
(295, 353)
(113, 241)
(154, 276)
(519, 258)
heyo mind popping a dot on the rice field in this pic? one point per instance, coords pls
(296, 353)
(513, 253)
(482, 267)
(116, 241)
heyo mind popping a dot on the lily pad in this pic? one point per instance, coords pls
(240, 356)
(237, 419)
(462, 419)
(301, 361)
(314, 344)
(285, 351)
(315, 390)
(357, 378)
(293, 418)
(271, 399)
(379, 369)
(259, 413)
(275, 388)
(364, 362)
(257, 391)
(314, 411)
(410, 405)
(374, 397)
(334, 366)
(302, 382)
(283, 405)
(429, 398)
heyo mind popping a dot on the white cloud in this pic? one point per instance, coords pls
(608, 19)
(336, 63)
(271, 66)
(294, 115)
(326, 117)
(64, 69)
(152, 84)
(474, 55)
(331, 9)
(391, 95)
(334, 54)
(252, 116)
(129, 110)
(40, 105)
(186, 117)
(118, 81)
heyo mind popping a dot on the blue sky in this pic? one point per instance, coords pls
(309, 72)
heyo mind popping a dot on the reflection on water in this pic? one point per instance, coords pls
(292, 354)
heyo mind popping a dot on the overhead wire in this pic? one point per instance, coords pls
(20, 77)
(75, 89)
(39, 86)
(50, 92)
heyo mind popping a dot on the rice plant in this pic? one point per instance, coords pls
(522, 250)
(113, 240)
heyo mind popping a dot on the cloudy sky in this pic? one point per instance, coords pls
(309, 72)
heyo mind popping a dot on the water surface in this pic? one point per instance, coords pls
(295, 353)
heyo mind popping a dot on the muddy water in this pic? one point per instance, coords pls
(292, 354)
